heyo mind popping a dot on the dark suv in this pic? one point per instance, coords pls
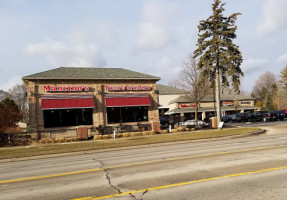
(164, 120)
(280, 114)
(243, 117)
(270, 116)
(258, 116)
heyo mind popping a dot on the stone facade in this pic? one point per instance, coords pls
(36, 88)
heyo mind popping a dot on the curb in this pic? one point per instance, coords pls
(129, 147)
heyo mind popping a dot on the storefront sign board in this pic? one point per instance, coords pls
(113, 88)
(67, 88)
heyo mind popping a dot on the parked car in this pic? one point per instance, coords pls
(243, 117)
(164, 120)
(192, 123)
(257, 116)
(228, 118)
(270, 116)
(280, 114)
(285, 112)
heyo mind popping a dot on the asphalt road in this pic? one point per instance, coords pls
(252, 167)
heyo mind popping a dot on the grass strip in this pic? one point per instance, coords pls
(45, 149)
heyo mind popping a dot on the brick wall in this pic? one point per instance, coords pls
(97, 88)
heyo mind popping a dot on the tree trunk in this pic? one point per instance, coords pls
(196, 110)
(217, 96)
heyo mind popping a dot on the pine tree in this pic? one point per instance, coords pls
(220, 59)
(269, 103)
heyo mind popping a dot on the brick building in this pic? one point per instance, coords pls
(67, 98)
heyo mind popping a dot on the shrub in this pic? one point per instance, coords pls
(174, 130)
(164, 131)
(49, 141)
(98, 137)
(126, 134)
(43, 141)
(119, 135)
(75, 139)
(147, 133)
(108, 136)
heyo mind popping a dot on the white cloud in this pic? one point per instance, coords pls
(164, 67)
(11, 82)
(253, 64)
(155, 32)
(275, 17)
(282, 59)
(74, 49)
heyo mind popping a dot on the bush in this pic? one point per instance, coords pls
(119, 135)
(108, 136)
(164, 131)
(98, 137)
(126, 134)
(174, 130)
(147, 133)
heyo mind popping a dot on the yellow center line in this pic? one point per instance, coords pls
(181, 184)
(50, 176)
(139, 163)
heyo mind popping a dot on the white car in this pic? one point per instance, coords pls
(191, 123)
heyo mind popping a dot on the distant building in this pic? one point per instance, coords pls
(166, 95)
(230, 104)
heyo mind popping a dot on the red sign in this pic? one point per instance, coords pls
(69, 88)
(127, 88)
(227, 103)
(187, 105)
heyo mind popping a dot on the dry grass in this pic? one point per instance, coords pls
(52, 148)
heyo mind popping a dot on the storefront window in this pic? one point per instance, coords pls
(68, 117)
(127, 114)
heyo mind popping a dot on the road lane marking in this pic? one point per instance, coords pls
(50, 176)
(139, 163)
(181, 184)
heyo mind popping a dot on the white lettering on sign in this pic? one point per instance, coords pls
(127, 88)
(69, 88)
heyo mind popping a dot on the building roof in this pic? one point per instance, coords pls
(209, 98)
(79, 73)
(165, 90)
(209, 109)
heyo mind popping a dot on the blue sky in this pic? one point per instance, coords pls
(148, 36)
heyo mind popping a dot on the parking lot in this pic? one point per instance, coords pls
(256, 124)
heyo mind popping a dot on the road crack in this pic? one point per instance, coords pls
(140, 197)
(108, 177)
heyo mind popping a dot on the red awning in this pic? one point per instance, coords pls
(67, 101)
(122, 100)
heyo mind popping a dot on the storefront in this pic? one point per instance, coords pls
(66, 98)
(182, 109)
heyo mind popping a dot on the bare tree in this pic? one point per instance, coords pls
(174, 83)
(189, 79)
(280, 100)
(3, 95)
(265, 84)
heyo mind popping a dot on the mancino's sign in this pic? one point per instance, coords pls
(113, 88)
(68, 88)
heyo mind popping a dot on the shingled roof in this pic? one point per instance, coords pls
(164, 89)
(209, 98)
(79, 73)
